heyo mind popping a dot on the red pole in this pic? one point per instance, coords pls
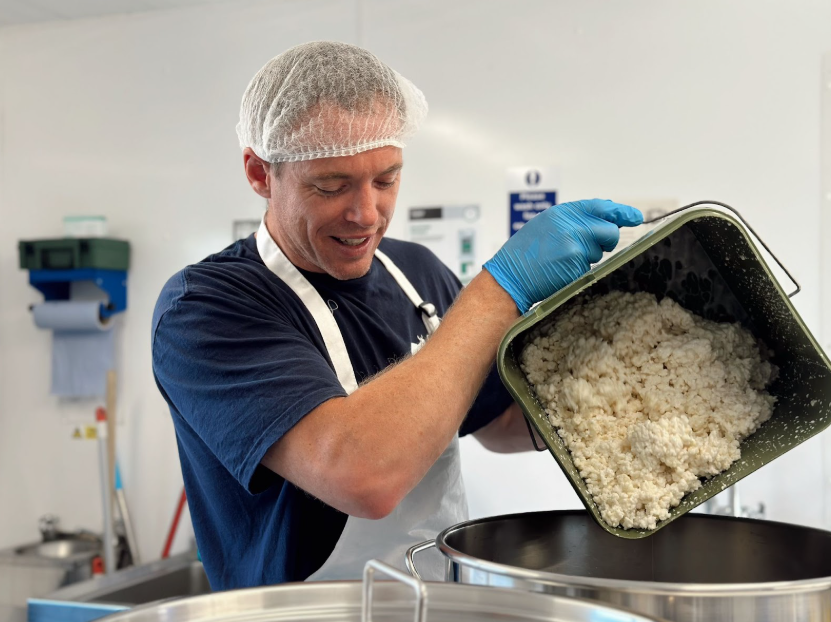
(174, 525)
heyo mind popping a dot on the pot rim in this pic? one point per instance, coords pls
(319, 599)
(770, 588)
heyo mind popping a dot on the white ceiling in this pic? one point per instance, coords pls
(29, 11)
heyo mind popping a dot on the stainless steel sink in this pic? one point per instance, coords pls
(39, 568)
(60, 549)
(189, 580)
(175, 577)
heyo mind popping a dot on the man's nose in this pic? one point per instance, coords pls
(364, 208)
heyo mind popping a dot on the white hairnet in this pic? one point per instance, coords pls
(326, 99)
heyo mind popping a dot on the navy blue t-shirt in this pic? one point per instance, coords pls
(240, 360)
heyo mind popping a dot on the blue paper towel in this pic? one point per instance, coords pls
(83, 347)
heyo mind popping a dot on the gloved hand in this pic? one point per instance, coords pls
(557, 246)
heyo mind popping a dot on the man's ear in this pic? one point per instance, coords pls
(256, 170)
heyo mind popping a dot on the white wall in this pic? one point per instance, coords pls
(133, 117)
(825, 233)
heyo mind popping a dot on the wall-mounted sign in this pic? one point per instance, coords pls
(450, 231)
(531, 190)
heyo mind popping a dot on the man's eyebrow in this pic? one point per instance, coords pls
(393, 168)
(333, 175)
(339, 175)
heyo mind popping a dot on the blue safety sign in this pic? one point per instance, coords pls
(526, 205)
(531, 190)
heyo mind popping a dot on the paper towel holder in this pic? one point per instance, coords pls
(54, 264)
(55, 285)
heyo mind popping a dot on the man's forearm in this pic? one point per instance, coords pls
(365, 452)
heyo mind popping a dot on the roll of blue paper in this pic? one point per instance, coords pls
(82, 346)
(69, 316)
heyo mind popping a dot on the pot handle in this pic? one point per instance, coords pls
(411, 552)
(373, 565)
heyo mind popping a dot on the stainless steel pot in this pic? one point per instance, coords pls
(407, 599)
(698, 568)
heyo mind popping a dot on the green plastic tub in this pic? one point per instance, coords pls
(706, 260)
(74, 254)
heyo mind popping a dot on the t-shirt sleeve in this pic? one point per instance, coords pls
(241, 375)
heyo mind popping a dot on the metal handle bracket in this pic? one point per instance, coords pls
(373, 565)
(409, 560)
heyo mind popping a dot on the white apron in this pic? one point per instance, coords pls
(437, 502)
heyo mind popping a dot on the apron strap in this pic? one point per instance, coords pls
(279, 264)
(428, 311)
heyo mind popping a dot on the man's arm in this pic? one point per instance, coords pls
(363, 453)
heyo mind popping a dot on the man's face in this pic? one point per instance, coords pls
(329, 215)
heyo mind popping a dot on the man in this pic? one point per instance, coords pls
(314, 430)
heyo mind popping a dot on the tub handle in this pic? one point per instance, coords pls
(373, 566)
(411, 553)
(746, 224)
(533, 436)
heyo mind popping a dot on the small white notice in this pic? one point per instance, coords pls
(451, 232)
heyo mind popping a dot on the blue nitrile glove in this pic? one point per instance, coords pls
(557, 246)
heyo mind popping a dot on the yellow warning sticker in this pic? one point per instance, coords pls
(85, 432)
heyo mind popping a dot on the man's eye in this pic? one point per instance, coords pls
(330, 193)
(385, 184)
